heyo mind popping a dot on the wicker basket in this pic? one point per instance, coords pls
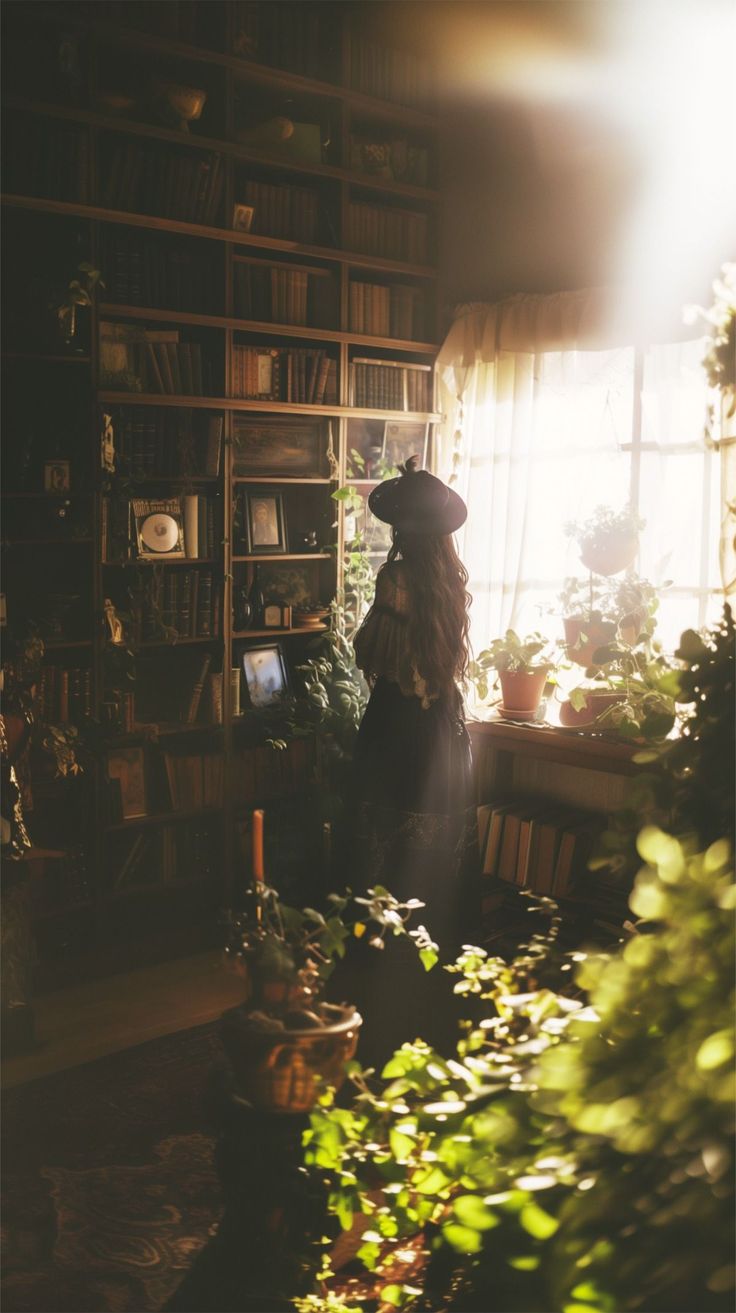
(286, 1070)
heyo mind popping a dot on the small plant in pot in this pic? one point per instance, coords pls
(285, 1042)
(597, 613)
(608, 539)
(634, 695)
(78, 295)
(523, 666)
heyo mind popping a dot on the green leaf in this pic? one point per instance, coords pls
(428, 958)
(537, 1222)
(471, 1211)
(462, 1238)
(715, 1051)
(392, 1294)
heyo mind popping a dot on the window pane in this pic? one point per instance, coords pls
(674, 395)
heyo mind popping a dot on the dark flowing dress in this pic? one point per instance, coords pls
(413, 830)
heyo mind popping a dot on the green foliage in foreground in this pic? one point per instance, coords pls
(577, 1155)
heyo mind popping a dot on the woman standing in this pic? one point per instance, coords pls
(415, 825)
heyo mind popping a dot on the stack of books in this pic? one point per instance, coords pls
(189, 605)
(261, 773)
(64, 694)
(536, 844)
(274, 293)
(175, 184)
(396, 311)
(135, 359)
(156, 442)
(304, 375)
(390, 385)
(144, 271)
(281, 211)
(391, 232)
(195, 780)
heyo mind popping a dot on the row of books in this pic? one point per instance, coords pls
(536, 845)
(152, 360)
(176, 19)
(393, 157)
(190, 604)
(387, 231)
(301, 38)
(390, 385)
(175, 184)
(276, 295)
(170, 855)
(46, 158)
(64, 694)
(304, 375)
(282, 211)
(261, 773)
(397, 311)
(390, 74)
(195, 779)
(153, 442)
(142, 271)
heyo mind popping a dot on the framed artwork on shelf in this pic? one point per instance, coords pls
(402, 439)
(276, 616)
(127, 766)
(159, 528)
(57, 476)
(243, 218)
(276, 446)
(265, 526)
(266, 677)
(290, 584)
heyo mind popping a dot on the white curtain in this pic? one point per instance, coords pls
(540, 411)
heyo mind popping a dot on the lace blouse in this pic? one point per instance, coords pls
(382, 642)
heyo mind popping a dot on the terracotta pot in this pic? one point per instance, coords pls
(597, 703)
(611, 557)
(522, 690)
(597, 633)
(286, 1070)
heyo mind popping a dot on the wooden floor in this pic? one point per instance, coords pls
(85, 1022)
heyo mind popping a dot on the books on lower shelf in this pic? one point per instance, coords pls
(133, 358)
(390, 385)
(64, 694)
(46, 158)
(261, 773)
(171, 182)
(280, 210)
(387, 231)
(186, 604)
(303, 375)
(195, 780)
(149, 442)
(396, 311)
(140, 270)
(536, 845)
(274, 293)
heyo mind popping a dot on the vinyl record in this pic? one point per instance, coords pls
(160, 533)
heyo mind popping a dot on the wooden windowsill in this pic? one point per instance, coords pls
(553, 743)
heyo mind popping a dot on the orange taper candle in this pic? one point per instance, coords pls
(258, 845)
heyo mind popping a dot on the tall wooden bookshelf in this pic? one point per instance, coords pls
(326, 137)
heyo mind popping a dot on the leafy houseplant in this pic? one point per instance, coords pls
(596, 613)
(633, 692)
(522, 665)
(608, 539)
(286, 1042)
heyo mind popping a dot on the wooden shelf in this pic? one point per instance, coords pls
(566, 747)
(163, 818)
(111, 311)
(63, 644)
(238, 150)
(163, 560)
(46, 542)
(280, 478)
(153, 731)
(285, 556)
(265, 407)
(176, 642)
(266, 633)
(80, 210)
(40, 359)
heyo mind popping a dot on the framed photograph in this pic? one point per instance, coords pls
(127, 766)
(57, 476)
(265, 526)
(289, 583)
(280, 447)
(402, 439)
(266, 678)
(243, 218)
(276, 616)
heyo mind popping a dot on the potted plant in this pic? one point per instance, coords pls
(596, 614)
(285, 1042)
(78, 295)
(522, 665)
(634, 694)
(608, 539)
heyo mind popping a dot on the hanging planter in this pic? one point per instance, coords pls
(608, 540)
(617, 553)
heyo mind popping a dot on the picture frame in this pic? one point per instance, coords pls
(405, 438)
(276, 616)
(265, 673)
(128, 767)
(265, 523)
(57, 476)
(292, 584)
(271, 445)
(243, 218)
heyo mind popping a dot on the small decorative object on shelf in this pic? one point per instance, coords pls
(57, 476)
(265, 524)
(255, 600)
(235, 691)
(113, 625)
(242, 218)
(159, 528)
(179, 106)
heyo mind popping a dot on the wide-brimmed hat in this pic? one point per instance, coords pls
(417, 502)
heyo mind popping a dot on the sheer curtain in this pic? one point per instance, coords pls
(547, 418)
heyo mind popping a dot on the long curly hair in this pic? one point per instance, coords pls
(436, 580)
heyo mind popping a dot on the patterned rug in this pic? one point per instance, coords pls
(108, 1184)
